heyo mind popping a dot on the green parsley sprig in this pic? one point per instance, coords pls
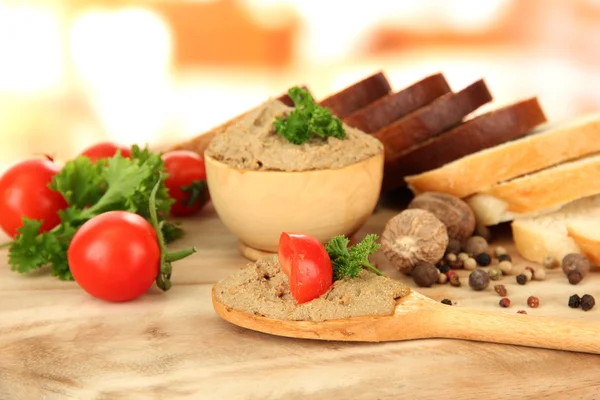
(90, 189)
(349, 261)
(308, 119)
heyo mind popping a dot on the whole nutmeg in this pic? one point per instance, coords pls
(413, 237)
(476, 245)
(575, 262)
(479, 279)
(425, 274)
(452, 211)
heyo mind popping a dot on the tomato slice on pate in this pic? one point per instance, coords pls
(305, 261)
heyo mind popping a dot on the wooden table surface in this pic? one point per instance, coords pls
(56, 342)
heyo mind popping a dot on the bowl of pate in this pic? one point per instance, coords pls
(262, 184)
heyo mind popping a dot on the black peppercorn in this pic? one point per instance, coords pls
(444, 268)
(587, 302)
(483, 259)
(447, 301)
(521, 279)
(574, 301)
(479, 279)
(504, 257)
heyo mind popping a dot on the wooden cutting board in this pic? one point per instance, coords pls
(56, 342)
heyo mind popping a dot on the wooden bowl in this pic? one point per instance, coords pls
(258, 205)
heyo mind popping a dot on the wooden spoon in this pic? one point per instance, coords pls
(418, 317)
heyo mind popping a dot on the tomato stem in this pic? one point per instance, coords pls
(163, 279)
(196, 191)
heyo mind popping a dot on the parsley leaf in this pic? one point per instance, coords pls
(90, 189)
(349, 261)
(308, 119)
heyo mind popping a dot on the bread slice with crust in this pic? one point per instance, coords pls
(550, 145)
(394, 106)
(538, 193)
(572, 229)
(482, 132)
(358, 95)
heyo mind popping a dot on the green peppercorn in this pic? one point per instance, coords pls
(495, 273)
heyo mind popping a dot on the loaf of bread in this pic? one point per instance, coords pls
(485, 131)
(572, 229)
(358, 95)
(388, 109)
(444, 113)
(547, 146)
(537, 193)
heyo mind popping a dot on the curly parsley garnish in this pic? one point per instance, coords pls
(308, 119)
(349, 261)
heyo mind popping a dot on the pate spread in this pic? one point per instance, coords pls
(252, 143)
(262, 288)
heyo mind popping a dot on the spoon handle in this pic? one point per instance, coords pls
(518, 329)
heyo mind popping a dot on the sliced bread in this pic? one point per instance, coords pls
(548, 234)
(587, 237)
(482, 132)
(546, 147)
(443, 113)
(358, 95)
(538, 193)
(388, 109)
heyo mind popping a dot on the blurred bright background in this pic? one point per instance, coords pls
(74, 72)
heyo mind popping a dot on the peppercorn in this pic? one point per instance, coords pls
(574, 277)
(575, 262)
(479, 279)
(456, 264)
(425, 274)
(442, 278)
(463, 256)
(453, 278)
(495, 273)
(504, 257)
(587, 302)
(505, 266)
(453, 247)
(447, 302)
(504, 302)
(539, 273)
(574, 301)
(521, 279)
(483, 259)
(528, 272)
(444, 268)
(521, 312)
(440, 263)
(501, 290)
(475, 245)
(470, 264)
(499, 251)
(533, 302)
(451, 257)
(550, 262)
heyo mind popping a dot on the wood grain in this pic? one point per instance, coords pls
(56, 342)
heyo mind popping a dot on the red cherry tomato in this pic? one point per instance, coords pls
(115, 256)
(306, 262)
(24, 192)
(105, 150)
(186, 181)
